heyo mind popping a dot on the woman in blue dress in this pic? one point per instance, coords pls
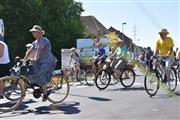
(44, 61)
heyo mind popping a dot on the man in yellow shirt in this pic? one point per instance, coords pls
(164, 48)
(164, 45)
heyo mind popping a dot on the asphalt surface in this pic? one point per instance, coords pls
(115, 102)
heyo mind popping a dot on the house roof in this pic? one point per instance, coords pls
(93, 26)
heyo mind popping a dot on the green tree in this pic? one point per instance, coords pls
(59, 18)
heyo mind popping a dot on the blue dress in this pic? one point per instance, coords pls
(46, 63)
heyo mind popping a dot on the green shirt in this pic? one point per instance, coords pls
(119, 51)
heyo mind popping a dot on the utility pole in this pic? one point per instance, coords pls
(124, 23)
(134, 32)
(134, 41)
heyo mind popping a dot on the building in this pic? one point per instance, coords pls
(93, 26)
(122, 36)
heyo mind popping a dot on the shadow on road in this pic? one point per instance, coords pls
(128, 89)
(93, 98)
(68, 107)
(99, 99)
(177, 93)
(23, 106)
(161, 96)
(139, 75)
(133, 89)
(19, 110)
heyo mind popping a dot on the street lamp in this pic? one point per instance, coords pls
(124, 23)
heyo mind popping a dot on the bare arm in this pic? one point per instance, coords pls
(170, 51)
(39, 50)
(1, 50)
(28, 53)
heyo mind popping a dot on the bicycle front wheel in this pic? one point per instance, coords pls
(151, 83)
(13, 94)
(59, 89)
(127, 77)
(103, 79)
(71, 77)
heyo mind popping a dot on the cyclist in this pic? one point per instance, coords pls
(4, 63)
(131, 53)
(99, 56)
(164, 48)
(44, 61)
(148, 54)
(120, 57)
(141, 58)
(76, 57)
(4, 58)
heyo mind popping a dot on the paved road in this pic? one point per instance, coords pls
(115, 102)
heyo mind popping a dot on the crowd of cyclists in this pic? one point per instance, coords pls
(122, 55)
(44, 61)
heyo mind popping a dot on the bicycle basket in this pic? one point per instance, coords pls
(26, 70)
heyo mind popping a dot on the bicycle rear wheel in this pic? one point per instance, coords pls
(103, 79)
(90, 77)
(151, 82)
(11, 98)
(127, 77)
(178, 74)
(59, 89)
(82, 78)
(172, 83)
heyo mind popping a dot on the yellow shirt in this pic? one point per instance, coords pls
(163, 46)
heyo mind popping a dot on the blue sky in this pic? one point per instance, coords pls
(149, 16)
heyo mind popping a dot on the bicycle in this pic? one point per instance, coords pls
(91, 72)
(157, 75)
(178, 71)
(103, 77)
(73, 75)
(177, 68)
(58, 89)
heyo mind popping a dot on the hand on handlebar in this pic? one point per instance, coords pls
(28, 62)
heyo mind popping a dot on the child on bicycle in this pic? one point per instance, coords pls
(99, 56)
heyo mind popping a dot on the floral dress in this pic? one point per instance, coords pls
(46, 63)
